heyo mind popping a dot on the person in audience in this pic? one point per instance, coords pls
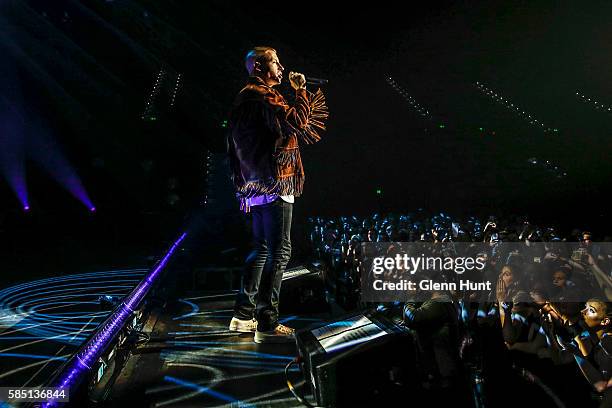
(528, 334)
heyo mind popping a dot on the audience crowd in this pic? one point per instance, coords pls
(541, 336)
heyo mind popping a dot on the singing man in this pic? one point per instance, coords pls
(265, 132)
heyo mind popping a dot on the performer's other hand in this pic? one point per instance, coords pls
(297, 80)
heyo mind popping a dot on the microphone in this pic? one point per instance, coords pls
(316, 81)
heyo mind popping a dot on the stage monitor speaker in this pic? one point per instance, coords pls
(303, 290)
(361, 360)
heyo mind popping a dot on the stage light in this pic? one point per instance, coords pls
(26, 208)
(510, 106)
(92, 209)
(176, 87)
(86, 357)
(149, 111)
(420, 109)
(596, 104)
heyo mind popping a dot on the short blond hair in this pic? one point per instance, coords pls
(257, 54)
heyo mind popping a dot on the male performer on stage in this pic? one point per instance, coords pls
(268, 174)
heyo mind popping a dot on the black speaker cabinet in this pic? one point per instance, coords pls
(363, 359)
(303, 291)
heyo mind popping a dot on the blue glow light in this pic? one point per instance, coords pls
(194, 309)
(34, 356)
(11, 338)
(342, 323)
(287, 319)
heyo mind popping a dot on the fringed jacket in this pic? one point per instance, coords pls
(263, 138)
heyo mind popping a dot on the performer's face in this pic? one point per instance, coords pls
(272, 70)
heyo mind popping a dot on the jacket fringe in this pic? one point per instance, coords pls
(290, 185)
(318, 115)
(285, 157)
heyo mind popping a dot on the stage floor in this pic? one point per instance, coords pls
(43, 322)
(192, 359)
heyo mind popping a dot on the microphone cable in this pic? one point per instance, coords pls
(292, 389)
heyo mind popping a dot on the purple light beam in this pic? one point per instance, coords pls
(12, 152)
(47, 153)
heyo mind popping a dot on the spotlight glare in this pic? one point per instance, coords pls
(92, 209)
(26, 208)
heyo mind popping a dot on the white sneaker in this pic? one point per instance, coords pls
(243, 326)
(280, 334)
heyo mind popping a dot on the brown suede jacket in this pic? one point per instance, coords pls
(263, 138)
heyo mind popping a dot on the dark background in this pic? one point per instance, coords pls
(79, 73)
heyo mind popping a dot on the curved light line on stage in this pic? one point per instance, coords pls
(225, 357)
(258, 398)
(28, 327)
(205, 390)
(220, 333)
(216, 314)
(210, 326)
(75, 335)
(187, 356)
(194, 310)
(220, 295)
(221, 350)
(162, 388)
(220, 356)
(217, 376)
(40, 307)
(33, 376)
(27, 367)
(34, 356)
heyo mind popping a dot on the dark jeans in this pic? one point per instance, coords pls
(263, 273)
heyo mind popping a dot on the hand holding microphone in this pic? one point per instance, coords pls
(297, 80)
